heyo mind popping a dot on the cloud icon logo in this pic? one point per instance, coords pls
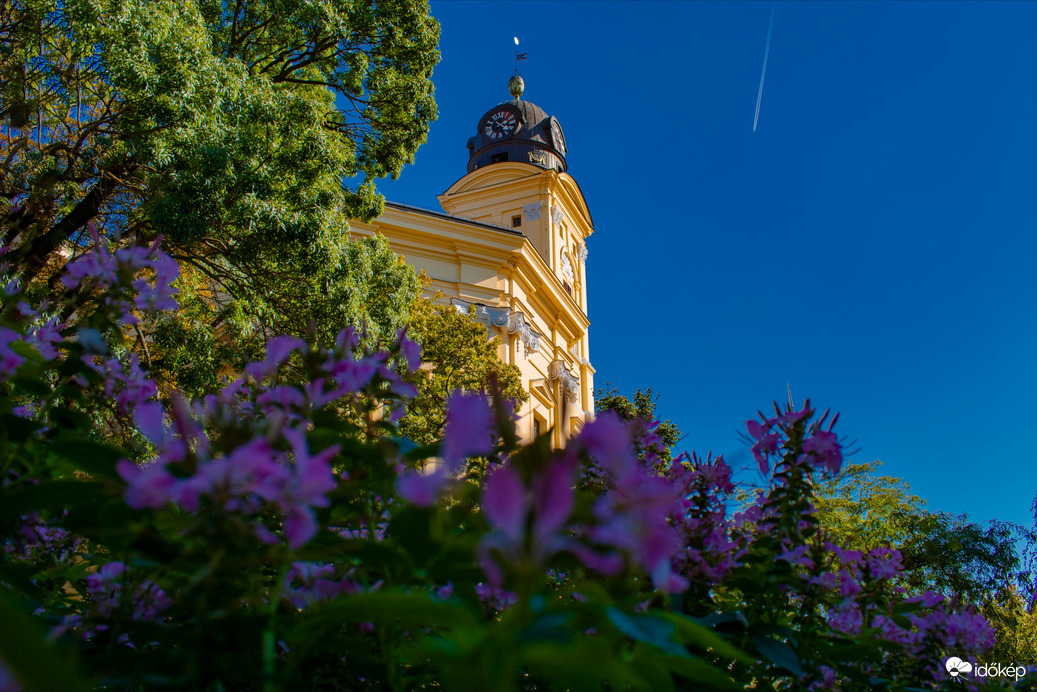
(955, 666)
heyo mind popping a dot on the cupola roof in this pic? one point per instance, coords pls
(519, 131)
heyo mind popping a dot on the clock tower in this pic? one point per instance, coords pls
(512, 245)
(519, 131)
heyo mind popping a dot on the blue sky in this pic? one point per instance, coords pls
(871, 245)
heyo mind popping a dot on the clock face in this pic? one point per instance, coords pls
(499, 124)
(556, 136)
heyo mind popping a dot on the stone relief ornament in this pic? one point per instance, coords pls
(570, 383)
(532, 211)
(583, 252)
(557, 215)
(567, 267)
(505, 320)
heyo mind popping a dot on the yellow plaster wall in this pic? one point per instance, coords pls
(518, 271)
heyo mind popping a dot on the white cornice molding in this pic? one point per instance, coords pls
(569, 382)
(512, 322)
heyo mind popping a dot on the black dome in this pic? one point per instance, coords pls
(518, 131)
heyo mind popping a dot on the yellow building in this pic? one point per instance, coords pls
(512, 242)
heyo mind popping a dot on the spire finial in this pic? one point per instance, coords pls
(515, 85)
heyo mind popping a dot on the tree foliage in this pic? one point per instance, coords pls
(941, 552)
(641, 407)
(245, 134)
(457, 356)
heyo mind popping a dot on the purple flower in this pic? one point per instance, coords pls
(112, 271)
(352, 375)
(44, 336)
(848, 585)
(421, 489)
(928, 599)
(469, 428)
(249, 470)
(106, 590)
(504, 502)
(104, 587)
(846, 618)
(308, 488)
(411, 351)
(884, 563)
(150, 486)
(507, 502)
(607, 441)
(797, 556)
(767, 443)
(278, 350)
(823, 451)
(496, 597)
(9, 360)
(309, 582)
(125, 382)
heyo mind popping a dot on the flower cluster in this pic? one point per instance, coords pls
(113, 272)
(145, 603)
(282, 512)
(771, 439)
(242, 482)
(632, 519)
(705, 485)
(309, 582)
(469, 431)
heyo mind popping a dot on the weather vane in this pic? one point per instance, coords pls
(515, 85)
(519, 56)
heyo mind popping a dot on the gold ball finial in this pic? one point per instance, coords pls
(516, 86)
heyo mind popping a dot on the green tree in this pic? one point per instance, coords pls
(941, 552)
(1013, 616)
(641, 407)
(373, 289)
(455, 354)
(245, 134)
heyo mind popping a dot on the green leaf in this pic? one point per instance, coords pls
(702, 673)
(551, 627)
(778, 653)
(32, 386)
(25, 651)
(90, 457)
(648, 629)
(584, 664)
(53, 496)
(404, 609)
(410, 529)
(15, 428)
(705, 639)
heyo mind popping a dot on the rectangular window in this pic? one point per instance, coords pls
(516, 221)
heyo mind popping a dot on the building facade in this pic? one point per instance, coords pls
(511, 242)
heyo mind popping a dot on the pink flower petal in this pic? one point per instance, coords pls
(504, 502)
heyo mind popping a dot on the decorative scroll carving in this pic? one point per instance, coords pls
(557, 215)
(505, 320)
(530, 339)
(532, 211)
(583, 252)
(569, 382)
(567, 267)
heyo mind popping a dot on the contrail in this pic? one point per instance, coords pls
(763, 75)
